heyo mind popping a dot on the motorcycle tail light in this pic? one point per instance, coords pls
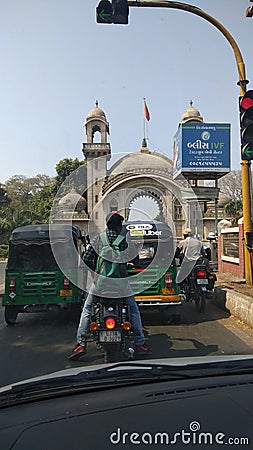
(93, 326)
(126, 326)
(168, 280)
(65, 283)
(201, 274)
(110, 323)
(12, 284)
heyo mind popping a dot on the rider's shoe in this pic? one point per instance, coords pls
(142, 349)
(78, 351)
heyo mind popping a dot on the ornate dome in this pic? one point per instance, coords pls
(96, 113)
(73, 201)
(191, 115)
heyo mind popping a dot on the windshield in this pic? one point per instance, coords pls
(33, 257)
(40, 256)
(143, 119)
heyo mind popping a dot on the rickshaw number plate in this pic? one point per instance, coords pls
(202, 281)
(66, 293)
(109, 336)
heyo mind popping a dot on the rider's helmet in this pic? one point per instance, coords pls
(187, 232)
(114, 219)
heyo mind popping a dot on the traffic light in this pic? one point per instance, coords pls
(246, 123)
(116, 11)
(249, 11)
(104, 12)
(120, 11)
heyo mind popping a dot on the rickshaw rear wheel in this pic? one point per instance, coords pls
(11, 314)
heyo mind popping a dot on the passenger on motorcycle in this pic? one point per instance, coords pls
(114, 226)
(189, 250)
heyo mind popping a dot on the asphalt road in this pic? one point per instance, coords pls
(40, 343)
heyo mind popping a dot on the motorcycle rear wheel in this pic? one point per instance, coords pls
(200, 301)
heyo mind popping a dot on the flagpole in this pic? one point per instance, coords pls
(146, 117)
(144, 124)
(144, 128)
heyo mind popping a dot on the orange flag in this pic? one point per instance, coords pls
(146, 111)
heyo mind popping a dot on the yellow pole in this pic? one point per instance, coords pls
(246, 173)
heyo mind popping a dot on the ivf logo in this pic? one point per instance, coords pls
(205, 135)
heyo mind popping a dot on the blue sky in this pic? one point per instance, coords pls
(57, 61)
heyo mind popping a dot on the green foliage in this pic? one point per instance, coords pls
(234, 210)
(25, 201)
(3, 251)
(64, 168)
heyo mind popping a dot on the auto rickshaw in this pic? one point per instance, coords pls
(153, 269)
(34, 282)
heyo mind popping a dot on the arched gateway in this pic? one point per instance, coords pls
(139, 175)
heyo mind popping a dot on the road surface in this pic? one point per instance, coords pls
(40, 343)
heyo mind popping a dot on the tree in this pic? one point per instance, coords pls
(4, 199)
(26, 201)
(21, 189)
(20, 203)
(63, 169)
(231, 185)
(234, 210)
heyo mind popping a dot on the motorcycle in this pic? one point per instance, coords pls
(111, 328)
(198, 284)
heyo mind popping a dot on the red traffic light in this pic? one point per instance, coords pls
(247, 100)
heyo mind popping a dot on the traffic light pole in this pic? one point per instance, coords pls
(246, 172)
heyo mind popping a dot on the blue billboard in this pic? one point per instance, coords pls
(202, 148)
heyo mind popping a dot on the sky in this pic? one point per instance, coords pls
(56, 61)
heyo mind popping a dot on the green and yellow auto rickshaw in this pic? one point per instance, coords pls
(153, 269)
(42, 270)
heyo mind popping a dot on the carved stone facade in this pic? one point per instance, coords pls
(141, 174)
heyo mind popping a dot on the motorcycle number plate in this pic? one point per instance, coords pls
(202, 281)
(109, 336)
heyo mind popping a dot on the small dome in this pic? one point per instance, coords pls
(96, 112)
(191, 115)
(73, 200)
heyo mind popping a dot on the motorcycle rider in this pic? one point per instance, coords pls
(189, 250)
(114, 226)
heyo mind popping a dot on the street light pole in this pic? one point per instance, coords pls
(246, 173)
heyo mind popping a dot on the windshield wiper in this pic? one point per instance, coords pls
(118, 375)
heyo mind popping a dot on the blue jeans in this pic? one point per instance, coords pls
(84, 323)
